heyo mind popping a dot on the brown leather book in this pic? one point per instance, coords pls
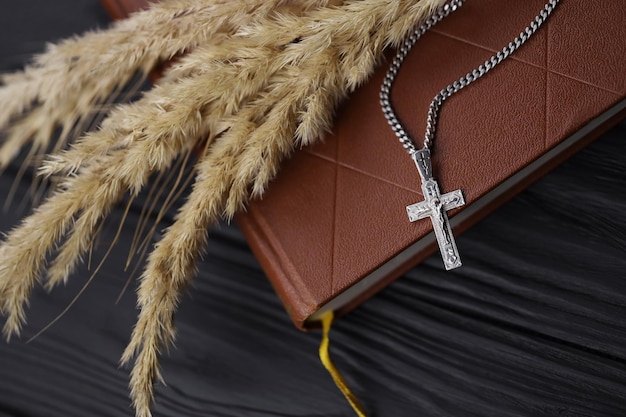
(333, 229)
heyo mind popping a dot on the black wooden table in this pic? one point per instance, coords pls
(534, 324)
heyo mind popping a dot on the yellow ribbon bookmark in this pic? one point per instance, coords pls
(327, 320)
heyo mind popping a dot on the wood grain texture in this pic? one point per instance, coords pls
(533, 325)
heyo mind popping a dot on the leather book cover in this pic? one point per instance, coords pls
(333, 229)
(119, 9)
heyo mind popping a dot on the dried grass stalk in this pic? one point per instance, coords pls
(65, 86)
(269, 84)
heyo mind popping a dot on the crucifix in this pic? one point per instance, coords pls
(435, 206)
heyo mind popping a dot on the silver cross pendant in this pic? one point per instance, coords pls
(435, 206)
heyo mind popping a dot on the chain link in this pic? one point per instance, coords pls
(447, 92)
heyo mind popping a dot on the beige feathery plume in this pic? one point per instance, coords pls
(272, 83)
(64, 86)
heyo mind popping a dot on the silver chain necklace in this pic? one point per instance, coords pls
(435, 204)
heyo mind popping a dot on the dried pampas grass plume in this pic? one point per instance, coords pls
(258, 78)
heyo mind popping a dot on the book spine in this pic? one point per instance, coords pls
(293, 293)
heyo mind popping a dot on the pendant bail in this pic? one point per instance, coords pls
(422, 162)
